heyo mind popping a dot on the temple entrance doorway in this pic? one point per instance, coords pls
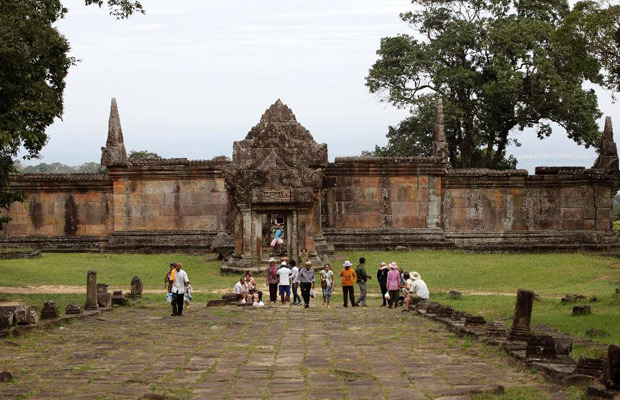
(275, 227)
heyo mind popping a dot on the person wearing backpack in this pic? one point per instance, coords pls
(362, 277)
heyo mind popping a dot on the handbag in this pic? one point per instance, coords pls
(324, 284)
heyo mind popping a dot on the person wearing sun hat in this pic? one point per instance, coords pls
(393, 283)
(418, 291)
(382, 279)
(272, 280)
(348, 278)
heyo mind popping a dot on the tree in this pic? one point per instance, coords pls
(499, 66)
(596, 29)
(143, 155)
(34, 63)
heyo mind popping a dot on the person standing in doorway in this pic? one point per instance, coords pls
(382, 279)
(272, 280)
(181, 281)
(393, 284)
(284, 279)
(362, 277)
(295, 282)
(327, 283)
(348, 278)
(306, 282)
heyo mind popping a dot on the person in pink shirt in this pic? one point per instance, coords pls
(393, 284)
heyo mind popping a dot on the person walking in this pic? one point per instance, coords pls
(382, 279)
(393, 284)
(295, 282)
(327, 282)
(306, 282)
(284, 279)
(348, 279)
(362, 277)
(181, 281)
(272, 280)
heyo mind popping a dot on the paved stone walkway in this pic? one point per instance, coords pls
(245, 353)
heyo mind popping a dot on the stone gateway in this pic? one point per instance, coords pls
(280, 177)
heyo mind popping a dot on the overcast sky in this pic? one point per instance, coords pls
(193, 76)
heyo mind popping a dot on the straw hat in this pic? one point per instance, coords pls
(393, 265)
(272, 260)
(414, 275)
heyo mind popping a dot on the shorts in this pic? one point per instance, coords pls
(285, 289)
(275, 242)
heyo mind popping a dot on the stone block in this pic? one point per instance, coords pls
(73, 309)
(611, 376)
(541, 347)
(582, 310)
(50, 311)
(104, 300)
(216, 303)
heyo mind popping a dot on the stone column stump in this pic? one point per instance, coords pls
(520, 330)
(91, 291)
(611, 376)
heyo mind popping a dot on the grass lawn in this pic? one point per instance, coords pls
(497, 276)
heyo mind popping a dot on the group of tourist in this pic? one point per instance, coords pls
(397, 287)
(246, 290)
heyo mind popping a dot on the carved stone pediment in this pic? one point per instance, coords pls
(278, 162)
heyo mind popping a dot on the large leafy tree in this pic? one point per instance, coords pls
(499, 65)
(595, 28)
(34, 63)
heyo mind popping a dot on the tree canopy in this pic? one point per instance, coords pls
(143, 155)
(596, 29)
(34, 63)
(500, 66)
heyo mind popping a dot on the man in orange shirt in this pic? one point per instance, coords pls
(348, 280)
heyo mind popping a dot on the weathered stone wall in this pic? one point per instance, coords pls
(174, 204)
(61, 205)
(411, 202)
(374, 193)
(171, 195)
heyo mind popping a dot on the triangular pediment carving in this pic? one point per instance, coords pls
(277, 153)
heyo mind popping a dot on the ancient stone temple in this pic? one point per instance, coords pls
(280, 177)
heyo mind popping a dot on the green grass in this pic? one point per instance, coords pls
(548, 274)
(113, 269)
(497, 275)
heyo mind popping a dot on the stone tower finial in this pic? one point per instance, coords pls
(278, 112)
(608, 153)
(439, 144)
(114, 153)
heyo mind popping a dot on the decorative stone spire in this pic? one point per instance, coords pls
(278, 112)
(114, 153)
(608, 153)
(439, 145)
